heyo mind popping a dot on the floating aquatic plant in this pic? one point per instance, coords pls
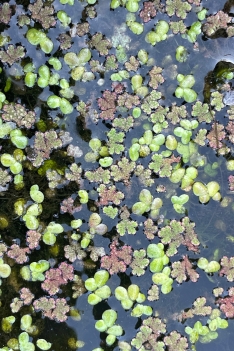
(107, 325)
(12, 54)
(5, 13)
(55, 309)
(126, 225)
(215, 22)
(118, 259)
(184, 270)
(139, 262)
(178, 7)
(58, 213)
(42, 14)
(18, 114)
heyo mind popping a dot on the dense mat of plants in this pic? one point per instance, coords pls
(116, 175)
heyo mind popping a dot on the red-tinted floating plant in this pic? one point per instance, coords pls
(126, 225)
(43, 14)
(119, 258)
(175, 341)
(230, 129)
(5, 178)
(18, 254)
(98, 175)
(109, 194)
(182, 270)
(56, 277)
(74, 173)
(150, 229)
(52, 308)
(146, 339)
(178, 8)
(107, 104)
(100, 44)
(18, 114)
(227, 304)
(227, 265)
(67, 205)
(231, 182)
(74, 252)
(26, 296)
(199, 309)
(216, 135)
(202, 112)
(128, 100)
(44, 144)
(156, 77)
(33, 237)
(12, 54)
(215, 22)
(148, 12)
(5, 13)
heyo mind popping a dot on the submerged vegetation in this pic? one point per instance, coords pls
(116, 174)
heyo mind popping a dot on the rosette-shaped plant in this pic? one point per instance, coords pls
(208, 267)
(178, 202)
(184, 90)
(146, 144)
(160, 259)
(128, 296)
(34, 210)
(205, 192)
(140, 309)
(36, 37)
(147, 203)
(190, 175)
(197, 331)
(163, 279)
(95, 227)
(10, 161)
(97, 284)
(194, 31)
(107, 325)
(34, 272)
(50, 233)
(159, 34)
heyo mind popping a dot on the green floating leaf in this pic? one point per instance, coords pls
(180, 200)
(109, 317)
(43, 344)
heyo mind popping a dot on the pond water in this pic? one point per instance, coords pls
(116, 175)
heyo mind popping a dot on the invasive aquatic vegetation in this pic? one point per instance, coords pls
(115, 140)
